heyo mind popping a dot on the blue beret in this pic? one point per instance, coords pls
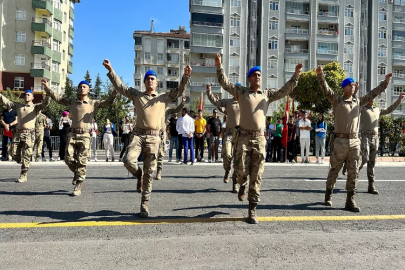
(256, 68)
(347, 81)
(149, 73)
(84, 82)
(238, 83)
(28, 91)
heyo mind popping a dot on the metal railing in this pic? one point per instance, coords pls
(328, 14)
(208, 3)
(399, 57)
(40, 66)
(323, 51)
(398, 75)
(41, 20)
(296, 31)
(297, 11)
(41, 43)
(204, 84)
(397, 20)
(202, 64)
(398, 38)
(206, 24)
(172, 47)
(399, 2)
(293, 50)
(327, 32)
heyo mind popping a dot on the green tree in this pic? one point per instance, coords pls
(308, 93)
(13, 95)
(96, 93)
(70, 90)
(88, 78)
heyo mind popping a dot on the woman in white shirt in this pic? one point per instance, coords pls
(108, 139)
(93, 137)
(126, 132)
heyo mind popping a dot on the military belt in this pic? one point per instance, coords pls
(346, 135)
(79, 130)
(141, 131)
(368, 132)
(25, 130)
(252, 133)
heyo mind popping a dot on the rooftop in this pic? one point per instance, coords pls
(179, 33)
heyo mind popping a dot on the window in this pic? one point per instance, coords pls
(382, 51)
(206, 40)
(20, 59)
(147, 55)
(348, 49)
(382, 16)
(272, 83)
(159, 70)
(382, 33)
(348, 67)
(273, 25)
(57, 25)
(172, 72)
(57, 4)
(138, 40)
(147, 69)
(273, 5)
(290, 64)
(147, 44)
(160, 85)
(71, 22)
(21, 15)
(233, 78)
(327, 48)
(235, 21)
(172, 85)
(18, 82)
(55, 66)
(63, 55)
(160, 56)
(21, 36)
(209, 79)
(137, 82)
(382, 1)
(55, 87)
(234, 42)
(186, 44)
(348, 30)
(272, 63)
(349, 12)
(173, 57)
(65, 17)
(381, 70)
(64, 36)
(208, 3)
(56, 45)
(235, 3)
(72, 5)
(63, 73)
(234, 61)
(398, 90)
(273, 45)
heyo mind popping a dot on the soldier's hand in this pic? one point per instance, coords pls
(183, 100)
(319, 70)
(401, 96)
(216, 97)
(44, 82)
(388, 77)
(298, 69)
(217, 59)
(188, 70)
(107, 64)
(208, 88)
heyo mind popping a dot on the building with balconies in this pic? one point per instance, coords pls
(36, 41)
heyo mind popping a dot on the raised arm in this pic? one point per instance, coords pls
(49, 92)
(213, 99)
(287, 88)
(222, 110)
(7, 102)
(171, 111)
(40, 106)
(177, 92)
(108, 101)
(323, 85)
(376, 91)
(223, 79)
(129, 92)
(393, 106)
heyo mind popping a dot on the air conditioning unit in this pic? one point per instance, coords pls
(287, 42)
(202, 56)
(332, 27)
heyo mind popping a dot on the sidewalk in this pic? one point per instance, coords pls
(379, 159)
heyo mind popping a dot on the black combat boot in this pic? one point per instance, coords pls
(226, 176)
(144, 209)
(252, 213)
(351, 203)
(328, 197)
(242, 193)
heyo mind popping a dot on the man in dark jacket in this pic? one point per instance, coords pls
(214, 129)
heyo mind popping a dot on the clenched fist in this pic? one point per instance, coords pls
(107, 64)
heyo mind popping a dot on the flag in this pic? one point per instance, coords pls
(201, 104)
(284, 138)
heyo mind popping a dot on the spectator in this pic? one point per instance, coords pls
(223, 126)
(64, 125)
(200, 129)
(93, 139)
(192, 114)
(173, 137)
(108, 139)
(305, 134)
(47, 138)
(276, 146)
(126, 128)
(214, 130)
(320, 129)
(8, 122)
(297, 119)
(291, 140)
(180, 131)
(269, 138)
(187, 130)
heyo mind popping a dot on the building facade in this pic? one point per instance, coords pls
(36, 41)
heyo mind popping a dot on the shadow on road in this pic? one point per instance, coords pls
(34, 193)
(175, 191)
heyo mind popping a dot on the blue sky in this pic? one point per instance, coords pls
(104, 28)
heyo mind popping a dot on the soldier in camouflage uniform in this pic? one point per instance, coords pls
(82, 109)
(369, 137)
(232, 110)
(150, 109)
(162, 148)
(40, 124)
(250, 140)
(24, 136)
(346, 145)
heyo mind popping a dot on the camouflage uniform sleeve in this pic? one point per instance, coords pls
(171, 111)
(391, 108)
(222, 110)
(124, 90)
(283, 91)
(215, 101)
(106, 102)
(7, 102)
(176, 93)
(373, 93)
(40, 106)
(58, 98)
(329, 93)
(228, 86)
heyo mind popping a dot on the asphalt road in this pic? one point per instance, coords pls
(181, 234)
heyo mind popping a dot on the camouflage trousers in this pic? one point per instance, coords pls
(39, 141)
(249, 161)
(22, 149)
(162, 148)
(344, 151)
(227, 152)
(369, 148)
(77, 153)
(149, 146)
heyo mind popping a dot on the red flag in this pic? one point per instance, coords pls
(201, 104)
(284, 138)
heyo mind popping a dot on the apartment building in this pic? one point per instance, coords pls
(36, 41)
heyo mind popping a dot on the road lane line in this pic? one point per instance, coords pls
(193, 220)
(343, 180)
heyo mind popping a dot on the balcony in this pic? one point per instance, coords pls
(57, 35)
(56, 77)
(70, 49)
(328, 17)
(173, 63)
(138, 47)
(206, 6)
(327, 55)
(137, 61)
(327, 35)
(209, 24)
(72, 14)
(41, 25)
(203, 68)
(173, 77)
(70, 67)
(41, 47)
(56, 56)
(398, 59)
(296, 34)
(206, 27)
(58, 15)
(399, 2)
(297, 15)
(200, 86)
(323, 51)
(172, 49)
(43, 5)
(296, 50)
(71, 32)
(40, 70)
